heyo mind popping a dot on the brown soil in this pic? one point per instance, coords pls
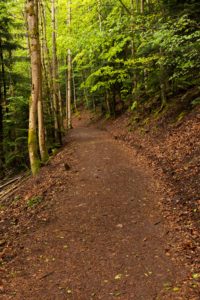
(97, 233)
(171, 148)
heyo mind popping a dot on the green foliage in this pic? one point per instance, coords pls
(196, 101)
(14, 85)
(15, 132)
(122, 58)
(34, 201)
(134, 105)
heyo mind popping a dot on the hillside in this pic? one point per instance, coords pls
(100, 198)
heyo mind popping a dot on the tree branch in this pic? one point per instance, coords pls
(125, 7)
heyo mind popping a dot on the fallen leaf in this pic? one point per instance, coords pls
(176, 289)
(118, 276)
(196, 275)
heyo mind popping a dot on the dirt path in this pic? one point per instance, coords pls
(106, 238)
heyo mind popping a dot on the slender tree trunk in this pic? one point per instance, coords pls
(1, 138)
(69, 73)
(162, 84)
(35, 94)
(12, 134)
(136, 5)
(57, 117)
(142, 6)
(145, 70)
(99, 15)
(47, 60)
(41, 131)
(1, 117)
(84, 76)
(41, 127)
(47, 72)
(108, 103)
(133, 51)
(54, 75)
(74, 90)
(132, 28)
(3, 77)
(47, 68)
(69, 88)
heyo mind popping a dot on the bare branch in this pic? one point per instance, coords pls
(125, 7)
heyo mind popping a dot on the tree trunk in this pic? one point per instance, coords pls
(57, 117)
(142, 6)
(41, 127)
(99, 15)
(41, 131)
(108, 103)
(1, 119)
(162, 84)
(69, 74)
(1, 138)
(136, 5)
(74, 91)
(69, 88)
(47, 70)
(145, 70)
(36, 95)
(32, 10)
(133, 51)
(3, 77)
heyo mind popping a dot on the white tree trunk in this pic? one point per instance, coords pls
(35, 93)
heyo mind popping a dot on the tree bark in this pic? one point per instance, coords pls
(47, 70)
(3, 77)
(142, 6)
(41, 131)
(163, 77)
(35, 93)
(74, 90)
(36, 106)
(1, 120)
(99, 15)
(41, 127)
(57, 117)
(69, 74)
(133, 51)
(69, 88)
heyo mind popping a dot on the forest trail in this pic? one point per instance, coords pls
(106, 238)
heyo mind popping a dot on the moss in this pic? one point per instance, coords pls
(33, 151)
(180, 116)
(45, 157)
(35, 167)
(32, 138)
(54, 151)
(77, 114)
(34, 201)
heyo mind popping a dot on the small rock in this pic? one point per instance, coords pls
(2, 242)
(119, 226)
(2, 289)
(67, 167)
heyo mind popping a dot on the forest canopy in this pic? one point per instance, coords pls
(105, 55)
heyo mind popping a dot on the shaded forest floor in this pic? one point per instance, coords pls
(106, 219)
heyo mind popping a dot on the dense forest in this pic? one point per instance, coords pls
(57, 56)
(99, 101)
